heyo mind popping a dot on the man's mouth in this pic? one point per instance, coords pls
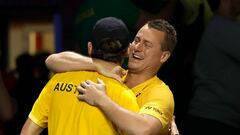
(136, 56)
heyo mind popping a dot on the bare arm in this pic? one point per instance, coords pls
(30, 128)
(71, 61)
(137, 124)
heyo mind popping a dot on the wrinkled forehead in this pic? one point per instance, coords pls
(151, 35)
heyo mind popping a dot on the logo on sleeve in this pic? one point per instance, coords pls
(150, 108)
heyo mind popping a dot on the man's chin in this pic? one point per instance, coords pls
(133, 68)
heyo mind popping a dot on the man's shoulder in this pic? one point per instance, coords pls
(76, 74)
(156, 86)
(113, 83)
(115, 87)
(155, 82)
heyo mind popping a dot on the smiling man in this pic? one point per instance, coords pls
(151, 47)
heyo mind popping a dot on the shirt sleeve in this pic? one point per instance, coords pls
(160, 105)
(40, 110)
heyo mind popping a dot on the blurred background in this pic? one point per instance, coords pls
(30, 30)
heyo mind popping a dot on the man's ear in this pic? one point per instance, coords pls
(128, 49)
(89, 48)
(164, 57)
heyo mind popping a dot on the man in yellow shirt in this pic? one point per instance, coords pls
(57, 106)
(151, 47)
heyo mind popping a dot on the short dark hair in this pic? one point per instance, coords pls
(170, 33)
(109, 51)
(110, 39)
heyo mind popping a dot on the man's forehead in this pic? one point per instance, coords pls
(143, 31)
(150, 34)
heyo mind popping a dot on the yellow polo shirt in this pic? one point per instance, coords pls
(156, 99)
(58, 108)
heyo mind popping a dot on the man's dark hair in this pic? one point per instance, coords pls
(170, 33)
(110, 39)
(111, 50)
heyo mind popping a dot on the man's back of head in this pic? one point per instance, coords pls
(109, 39)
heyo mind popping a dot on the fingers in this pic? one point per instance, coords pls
(89, 83)
(100, 81)
(173, 118)
(174, 129)
(81, 97)
(118, 70)
(82, 92)
(81, 89)
(123, 72)
(86, 85)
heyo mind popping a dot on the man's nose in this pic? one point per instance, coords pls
(138, 46)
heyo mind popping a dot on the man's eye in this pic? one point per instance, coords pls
(148, 45)
(136, 40)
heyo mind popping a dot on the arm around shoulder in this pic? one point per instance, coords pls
(138, 124)
(69, 61)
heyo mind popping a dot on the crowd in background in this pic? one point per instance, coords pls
(26, 83)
